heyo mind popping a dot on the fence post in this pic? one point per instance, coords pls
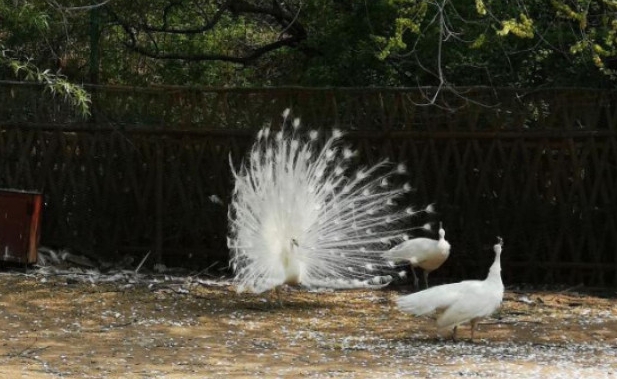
(158, 199)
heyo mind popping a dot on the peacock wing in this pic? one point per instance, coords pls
(430, 300)
(476, 299)
(415, 250)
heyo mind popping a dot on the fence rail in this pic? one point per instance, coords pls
(150, 170)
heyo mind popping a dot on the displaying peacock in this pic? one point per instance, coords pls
(301, 214)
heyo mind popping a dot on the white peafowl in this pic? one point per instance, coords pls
(426, 253)
(469, 300)
(300, 215)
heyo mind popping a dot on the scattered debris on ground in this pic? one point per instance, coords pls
(70, 319)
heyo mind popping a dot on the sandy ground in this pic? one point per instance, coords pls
(59, 327)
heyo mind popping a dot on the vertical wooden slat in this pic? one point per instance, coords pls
(159, 205)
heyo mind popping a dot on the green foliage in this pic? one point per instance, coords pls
(344, 43)
(56, 84)
(340, 48)
(598, 31)
(504, 44)
(22, 19)
(23, 24)
(410, 16)
(481, 7)
(521, 29)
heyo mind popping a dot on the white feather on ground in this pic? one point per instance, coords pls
(426, 253)
(302, 215)
(466, 301)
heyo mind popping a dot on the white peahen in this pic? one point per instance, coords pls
(300, 214)
(426, 253)
(466, 301)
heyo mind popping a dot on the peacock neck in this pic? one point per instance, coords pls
(494, 273)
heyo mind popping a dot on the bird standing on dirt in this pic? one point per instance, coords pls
(461, 302)
(426, 253)
(301, 215)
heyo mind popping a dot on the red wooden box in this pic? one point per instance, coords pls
(20, 221)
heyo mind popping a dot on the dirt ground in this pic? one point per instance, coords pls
(59, 327)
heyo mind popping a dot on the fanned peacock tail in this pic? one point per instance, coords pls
(301, 214)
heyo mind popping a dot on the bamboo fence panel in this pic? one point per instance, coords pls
(150, 169)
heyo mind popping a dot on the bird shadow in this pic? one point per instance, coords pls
(286, 301)
(436, 340)
(274, 306)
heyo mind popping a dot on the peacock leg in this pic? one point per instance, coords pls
(454, 333)
(416, 282)
(425, 278)
(277, 294)
(474, 322)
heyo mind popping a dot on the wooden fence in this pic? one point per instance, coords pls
(150, 169)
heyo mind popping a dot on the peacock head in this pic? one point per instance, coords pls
(498, 246)
(442, 232)
(294, 242)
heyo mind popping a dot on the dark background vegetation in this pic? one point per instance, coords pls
(504, 110)
(315, 42)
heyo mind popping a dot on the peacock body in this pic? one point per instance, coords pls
(426, 253)
(466, 301)
(301, 214)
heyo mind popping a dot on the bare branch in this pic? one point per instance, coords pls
(245, 59)
(165, 28)
(291, 31)
(63, 8)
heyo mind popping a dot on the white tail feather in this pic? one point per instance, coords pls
(301, 215)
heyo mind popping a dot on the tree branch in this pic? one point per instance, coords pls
(291, 32)
(244, 59)
(165, 28)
